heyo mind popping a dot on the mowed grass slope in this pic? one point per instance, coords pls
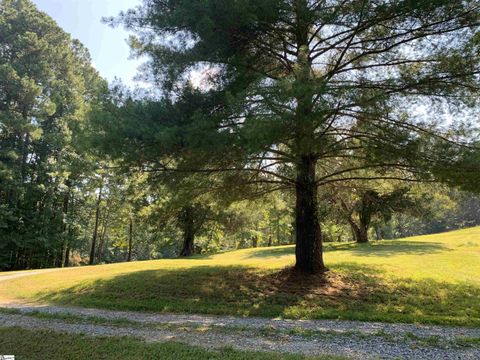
(425, 279)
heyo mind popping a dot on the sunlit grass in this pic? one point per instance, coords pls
(428, 279)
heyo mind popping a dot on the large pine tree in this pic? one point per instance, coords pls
(293, 90)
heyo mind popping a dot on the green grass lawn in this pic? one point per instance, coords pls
(41, 345)
(425, 279)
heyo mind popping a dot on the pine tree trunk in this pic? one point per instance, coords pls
(365, 220)
(66, 262)
(188, 232)
(362, 235)
(278, 230)
(308, 250)
(63, 250)
(354, 233)
(188, 243)
(308, 236)
(130, 240)
(103, 236)
(95, 230)
(360, 232)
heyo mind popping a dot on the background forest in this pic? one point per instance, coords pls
(73, 191)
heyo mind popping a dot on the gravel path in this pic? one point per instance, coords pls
(340, 327)
(25, 273)
(351, 339)
(356, 340)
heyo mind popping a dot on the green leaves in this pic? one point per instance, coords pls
(47, 86)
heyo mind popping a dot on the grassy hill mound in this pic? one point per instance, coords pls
(425, 279)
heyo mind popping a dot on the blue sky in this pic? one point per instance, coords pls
(82, 19)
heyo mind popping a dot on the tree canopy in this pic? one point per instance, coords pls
(298, 94)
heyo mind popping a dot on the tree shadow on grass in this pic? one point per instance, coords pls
(377, 248)
(273, 252)
(350, 291)
(391, 248)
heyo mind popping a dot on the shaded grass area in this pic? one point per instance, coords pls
(40, 345)
(377, 248)
(350, 292)
(428, 279)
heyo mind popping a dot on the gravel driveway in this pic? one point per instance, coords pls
(351, 339)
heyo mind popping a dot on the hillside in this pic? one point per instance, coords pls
(425, 279)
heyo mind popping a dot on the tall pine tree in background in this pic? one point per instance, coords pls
(47, 89)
